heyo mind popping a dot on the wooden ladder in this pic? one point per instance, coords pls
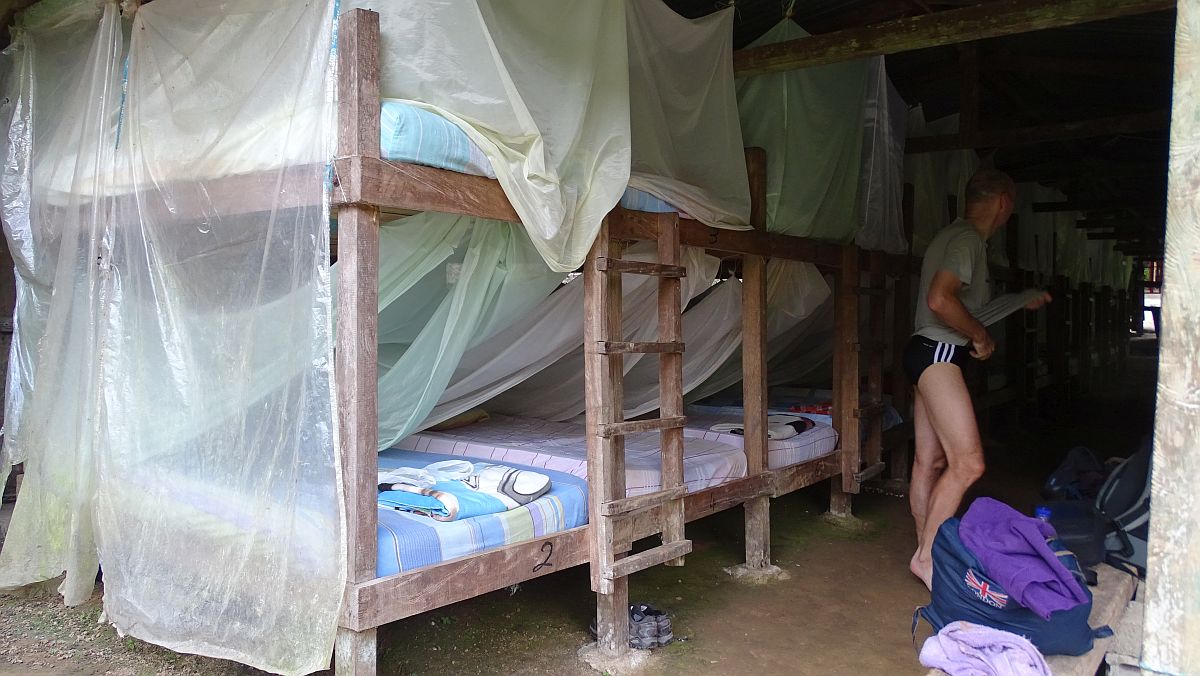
(862, 459)
(612, 513)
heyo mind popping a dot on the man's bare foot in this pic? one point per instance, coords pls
(923, 569)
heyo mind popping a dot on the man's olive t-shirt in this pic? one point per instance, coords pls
(960, 249)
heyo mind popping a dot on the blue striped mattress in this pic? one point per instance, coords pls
(408, 541)
(417, 136)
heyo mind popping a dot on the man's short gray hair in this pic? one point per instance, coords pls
(989, 183)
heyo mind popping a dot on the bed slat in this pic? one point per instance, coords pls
(628, 427)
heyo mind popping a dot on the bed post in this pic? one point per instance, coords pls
(606, 454)
(357, 324)
(754, 371)
(845, 382)
(902, 317)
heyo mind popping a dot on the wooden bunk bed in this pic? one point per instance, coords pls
(365, 185)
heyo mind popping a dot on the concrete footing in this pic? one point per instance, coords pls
(755, 575)
(632, 662)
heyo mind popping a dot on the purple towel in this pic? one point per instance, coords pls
(965, 649)
(1013, 551)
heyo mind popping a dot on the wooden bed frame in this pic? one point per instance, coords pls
(366, 186)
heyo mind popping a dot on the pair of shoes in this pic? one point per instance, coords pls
(662, 621)
(649, 627)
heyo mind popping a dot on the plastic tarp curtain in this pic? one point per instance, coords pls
(881, 184)
(176, 422)
(541, 86)
(687, 147)
(810, 121)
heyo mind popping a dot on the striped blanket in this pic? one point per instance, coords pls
(409, 541)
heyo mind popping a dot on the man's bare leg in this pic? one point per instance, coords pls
(947, 404)
(928, 464)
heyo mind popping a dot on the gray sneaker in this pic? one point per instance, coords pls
(649, 627)
(662, 621)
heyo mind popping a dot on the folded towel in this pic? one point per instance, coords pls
(487, 489)
(965, 649)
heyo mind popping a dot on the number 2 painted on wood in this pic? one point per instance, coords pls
(548, 548)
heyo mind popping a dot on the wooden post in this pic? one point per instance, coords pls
(606, 454)
(670, 377)
(1014, 326)
(357, 345)
(902, 319)
(754, 400)
(1058, 334)
(968, 24)
(873, 452)
(1171, 638)
(1087, 332)
(754, 367)
(846, 381)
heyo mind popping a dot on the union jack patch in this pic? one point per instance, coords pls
(984, 591)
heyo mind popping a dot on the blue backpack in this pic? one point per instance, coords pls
(962, 591)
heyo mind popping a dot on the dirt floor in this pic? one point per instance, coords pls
(846, 608)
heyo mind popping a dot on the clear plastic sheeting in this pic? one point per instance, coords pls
(810, 121)
(881, 184)
(179, 427)
(687, 145)
(53, 361)
(541, 86)
(55, 47)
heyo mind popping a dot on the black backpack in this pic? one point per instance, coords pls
(1079, 477)
(1124, 503)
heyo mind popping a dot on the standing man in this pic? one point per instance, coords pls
(954, 286)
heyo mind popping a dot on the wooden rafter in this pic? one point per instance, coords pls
(1139, 224)
(1056, 131)
(989, 20)
(1096, 205)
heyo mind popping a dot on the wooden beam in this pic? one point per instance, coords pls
(1137, 225)
(670, 379)
(757, 510)
(989, 20)
(1055, 131)
(357, 344)
(1097, 205)
(754, 399)
(403, 188)
(639, 225)
(1171, 637)
(604, 395)
(1061, 170)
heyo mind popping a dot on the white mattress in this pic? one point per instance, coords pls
(819, 441)
(562, 446)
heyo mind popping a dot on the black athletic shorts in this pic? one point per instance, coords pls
(921, 352)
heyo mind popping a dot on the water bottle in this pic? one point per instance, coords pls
(1042, 513)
